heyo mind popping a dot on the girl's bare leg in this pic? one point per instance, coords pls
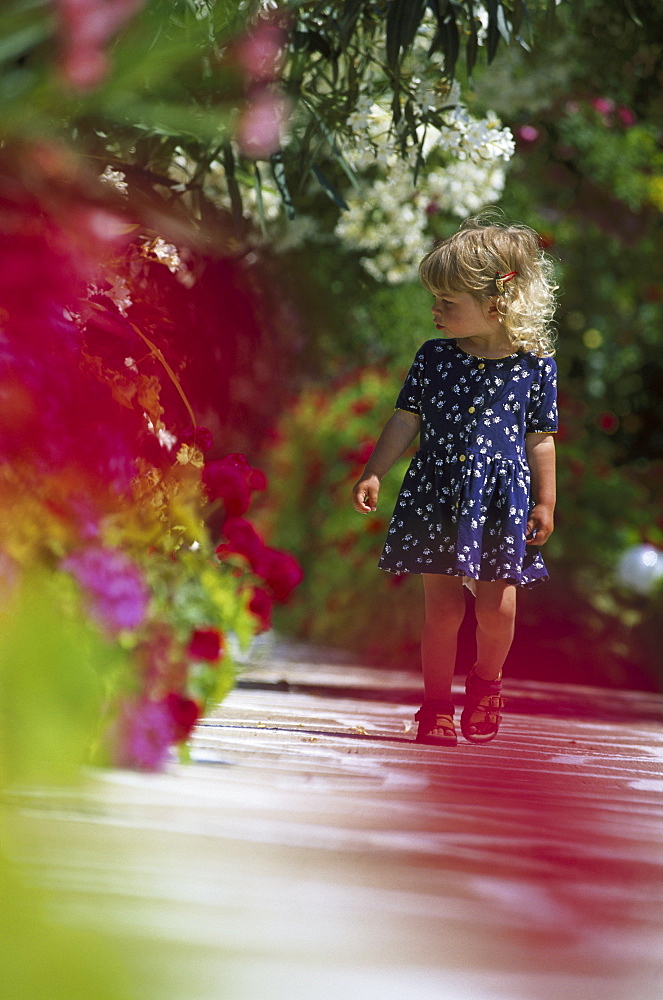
(495, 610)
(445, 609)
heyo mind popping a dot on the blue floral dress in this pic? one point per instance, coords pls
(465, 500)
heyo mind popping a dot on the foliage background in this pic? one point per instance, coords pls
(587, 176)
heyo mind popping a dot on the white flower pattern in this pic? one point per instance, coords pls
(472, 460)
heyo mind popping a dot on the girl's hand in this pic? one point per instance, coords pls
(365, 494)
(540, 525)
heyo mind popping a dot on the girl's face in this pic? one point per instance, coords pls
(459, 314)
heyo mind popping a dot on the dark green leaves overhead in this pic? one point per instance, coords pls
(403, 19)
(342, 54)
(457, 23)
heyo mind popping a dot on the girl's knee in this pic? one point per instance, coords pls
(445, 610)
(445, 615)
(500, 619)
(496, 607)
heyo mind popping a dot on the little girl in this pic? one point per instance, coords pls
(479, 495)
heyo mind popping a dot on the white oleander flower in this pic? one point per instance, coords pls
(115, 179)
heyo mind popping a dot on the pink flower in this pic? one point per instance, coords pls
(116, 592)
(145, 731)
(262, 123)
(260, 53)
(604, 105)
(626, 116)
(86, 27)
(206, 644)
(528, 133)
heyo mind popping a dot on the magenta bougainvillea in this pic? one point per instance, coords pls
(111, 488)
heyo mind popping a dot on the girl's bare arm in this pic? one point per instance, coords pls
(540, 450)
(399, 432)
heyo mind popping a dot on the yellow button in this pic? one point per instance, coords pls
(471, 409)
(482, 365)
(461, 458)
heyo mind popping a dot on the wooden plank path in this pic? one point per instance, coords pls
(312, 851)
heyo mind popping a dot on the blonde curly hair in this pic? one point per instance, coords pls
(475, 258)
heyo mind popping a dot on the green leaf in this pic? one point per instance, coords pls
(18, 43)
(493, 29)
(324, 181)
(233, 187)
(348, 21)
(472, 50)
(502, 24)
(403, 19)
(343, 163)
(632, 14)
(281, 181)
(451, 45)
(257, 181)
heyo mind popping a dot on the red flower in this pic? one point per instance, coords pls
(244, 539)
(184, 713)
(225, 483)
(256, 479)
(360, 455)
(261, 606)
(608, 422)
(201, 437)
(206, 644)
(280, 571)
(362, 406)
(231, 480)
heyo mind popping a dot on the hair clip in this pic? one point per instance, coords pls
(502, 279)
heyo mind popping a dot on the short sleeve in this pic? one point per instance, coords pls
(409, 398)
(542, 412)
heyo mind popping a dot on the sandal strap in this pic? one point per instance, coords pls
(492, 709)
(475, 685)
(430, 710)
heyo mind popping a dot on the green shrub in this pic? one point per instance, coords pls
(323, 442)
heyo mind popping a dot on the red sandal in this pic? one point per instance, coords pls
(436, 724)
(481, 696)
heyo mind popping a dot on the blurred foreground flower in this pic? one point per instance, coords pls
(145, 731)
(262, 124)
(114, 585)
(96, 500)
(206, 644)
(86, 27)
